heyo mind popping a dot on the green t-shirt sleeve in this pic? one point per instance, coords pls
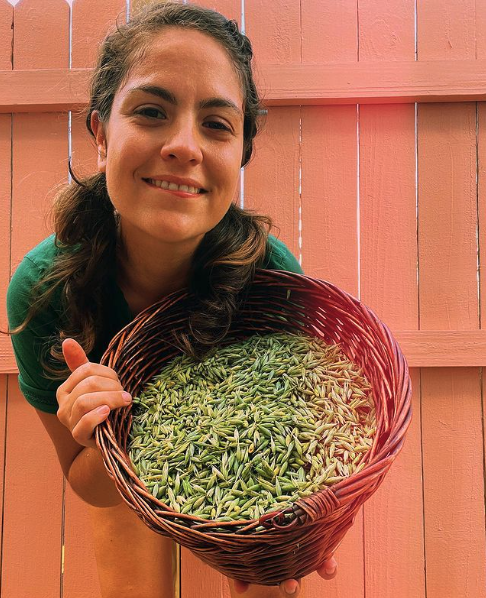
(39, 390)
(279, 257)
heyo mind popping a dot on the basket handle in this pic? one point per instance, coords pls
(306, 510)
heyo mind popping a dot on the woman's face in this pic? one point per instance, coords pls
(165, 122)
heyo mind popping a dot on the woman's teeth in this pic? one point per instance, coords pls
(174, 187)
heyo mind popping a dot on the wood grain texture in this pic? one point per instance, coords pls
(272, 176)
(3, 419)
(280, 85)
(388, 284)
(388, 243)
(5, 210)
(387, 34)
(31, 555)
(40, 157)
(41, 35)
(452, 442)
(329, 191)
(88, 33)
(6, 33)
(451, 399)
(329, 33)
(447, 227)
(31, 563)
(447, 30)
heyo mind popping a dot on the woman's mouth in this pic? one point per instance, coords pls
(179, 190)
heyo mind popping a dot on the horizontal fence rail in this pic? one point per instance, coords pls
(52, 90)
(422, 348)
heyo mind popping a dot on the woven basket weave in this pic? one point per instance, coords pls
(297, 540)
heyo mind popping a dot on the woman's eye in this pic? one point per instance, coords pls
(150, 112)
(154, 112)
(216, 122)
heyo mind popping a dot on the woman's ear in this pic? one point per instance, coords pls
(97, 126)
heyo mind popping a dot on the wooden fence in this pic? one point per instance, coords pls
(372, 163)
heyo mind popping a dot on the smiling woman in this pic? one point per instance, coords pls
(173, 111)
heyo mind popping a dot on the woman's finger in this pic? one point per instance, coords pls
(328, 570)
(240, 586)
(87, 370)
(114, 399)
(83, 432)
(74, 405)
(74, 354)
(290, 587)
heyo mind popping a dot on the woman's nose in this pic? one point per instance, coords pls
(182, 143)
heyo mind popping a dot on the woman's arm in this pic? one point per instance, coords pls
(85, 400)
(82, 466)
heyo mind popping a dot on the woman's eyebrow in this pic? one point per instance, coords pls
(168, 96)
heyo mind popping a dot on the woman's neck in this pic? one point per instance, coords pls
(148, 274)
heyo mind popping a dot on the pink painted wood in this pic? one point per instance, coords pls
(32, 532)
(339, 180)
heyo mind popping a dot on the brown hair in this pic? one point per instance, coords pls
(85, 221)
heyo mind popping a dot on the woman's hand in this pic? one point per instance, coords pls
(291, 587)
(87, 396)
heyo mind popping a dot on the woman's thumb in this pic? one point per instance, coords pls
(73, 354)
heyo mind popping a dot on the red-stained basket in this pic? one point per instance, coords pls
(296, 541)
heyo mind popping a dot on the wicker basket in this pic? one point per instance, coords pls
(297, 540)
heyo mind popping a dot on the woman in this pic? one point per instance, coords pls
(173, 112)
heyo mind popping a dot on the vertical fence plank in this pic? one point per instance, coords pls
(393, 518)
(272, 177)
(3, 414)
(481, 141)
(41, 34)
(80, 571)
(329, 181)
(5, 203)
(32, 505)
(452, 420)
(446, 29)
(6, 31)
(329, 222)
(394, 515)
(33, 480)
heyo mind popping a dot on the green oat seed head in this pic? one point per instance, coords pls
(252, 428)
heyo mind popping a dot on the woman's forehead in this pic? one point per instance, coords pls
(177, 54)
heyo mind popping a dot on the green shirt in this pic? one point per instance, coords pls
(39, 390)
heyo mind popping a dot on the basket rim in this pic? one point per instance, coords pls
(341, 492)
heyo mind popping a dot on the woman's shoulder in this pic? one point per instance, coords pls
(31, 270)
(42, 255)
(279, 257)
(28, 344)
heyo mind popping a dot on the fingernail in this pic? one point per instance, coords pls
(104, 409)
(127, 397)
(331, 571)
(291, 587)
